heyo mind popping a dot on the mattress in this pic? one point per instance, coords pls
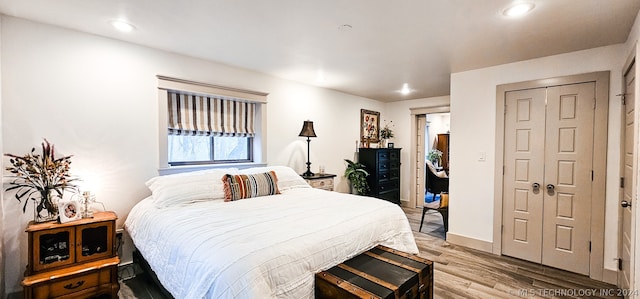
(263, 247)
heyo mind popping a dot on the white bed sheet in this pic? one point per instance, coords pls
(265, 247)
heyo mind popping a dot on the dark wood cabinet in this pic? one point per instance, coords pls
(443, 146)
(76, 259)
(383, 165)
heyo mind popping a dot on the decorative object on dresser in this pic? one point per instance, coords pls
(386, 133)
(307, 131)
(72, 260)
(369, 126)
(357, 176)
(42, 178)
(321, 181)
(381, 272)
(384, 169)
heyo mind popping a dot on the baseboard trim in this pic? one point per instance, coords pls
(481, 245)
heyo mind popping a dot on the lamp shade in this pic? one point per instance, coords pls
(307, 129)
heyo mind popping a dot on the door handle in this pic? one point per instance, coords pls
(535, 187)
(551, 187)
(625, 204)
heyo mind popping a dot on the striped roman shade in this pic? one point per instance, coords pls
(191, 114)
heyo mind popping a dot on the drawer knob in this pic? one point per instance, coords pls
(74, 286)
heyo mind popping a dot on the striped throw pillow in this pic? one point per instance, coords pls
(241, 186)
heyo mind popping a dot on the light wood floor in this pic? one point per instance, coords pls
(462, 272)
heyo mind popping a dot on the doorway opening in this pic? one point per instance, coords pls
(436, 145)
(428, 124)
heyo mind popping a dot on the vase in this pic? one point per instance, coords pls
(383, 143)
(47, 208)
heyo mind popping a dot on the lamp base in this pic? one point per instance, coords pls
(308, 174)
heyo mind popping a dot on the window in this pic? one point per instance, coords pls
(206, 124)
(185, 150)
(209, 129)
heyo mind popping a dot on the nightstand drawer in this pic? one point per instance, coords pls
(326, 184)
(81, 281)
(320, 181)
(72, 285)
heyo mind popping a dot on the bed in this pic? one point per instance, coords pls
(261, 247)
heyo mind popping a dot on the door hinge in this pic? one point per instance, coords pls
(623, 98)
(592, 175)
(620, 264)
(594, 103)
(589, 246)
(622, 182)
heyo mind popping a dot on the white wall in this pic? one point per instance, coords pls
(473, 108)
(96, 98)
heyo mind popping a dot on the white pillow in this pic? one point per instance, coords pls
(287, 177)
(185, 188)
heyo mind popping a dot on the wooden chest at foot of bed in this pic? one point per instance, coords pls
(381, 272)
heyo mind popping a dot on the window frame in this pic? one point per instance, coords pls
(259, 139)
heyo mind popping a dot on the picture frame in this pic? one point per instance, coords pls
(369, 126)
(69, 211)
(390, 145)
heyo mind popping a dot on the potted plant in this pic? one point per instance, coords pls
(386, 133)
(40, 177)
(434, 156)
(357, 175)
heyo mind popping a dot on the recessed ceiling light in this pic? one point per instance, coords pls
(518, 9)
(122, 26)
(405, 89)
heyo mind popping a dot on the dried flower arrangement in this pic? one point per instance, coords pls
(37, 176)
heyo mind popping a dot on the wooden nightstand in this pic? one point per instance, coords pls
(321, 181)
(74, 259)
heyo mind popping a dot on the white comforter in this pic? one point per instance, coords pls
(265, 247)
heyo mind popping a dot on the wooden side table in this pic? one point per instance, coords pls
(320, 181)
(76, 259)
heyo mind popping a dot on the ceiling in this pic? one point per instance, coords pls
(418, 42)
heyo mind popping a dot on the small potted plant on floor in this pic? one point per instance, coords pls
(357, 175)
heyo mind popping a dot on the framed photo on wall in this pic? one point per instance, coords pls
(369, 125)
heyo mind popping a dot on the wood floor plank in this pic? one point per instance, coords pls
(462, 272)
